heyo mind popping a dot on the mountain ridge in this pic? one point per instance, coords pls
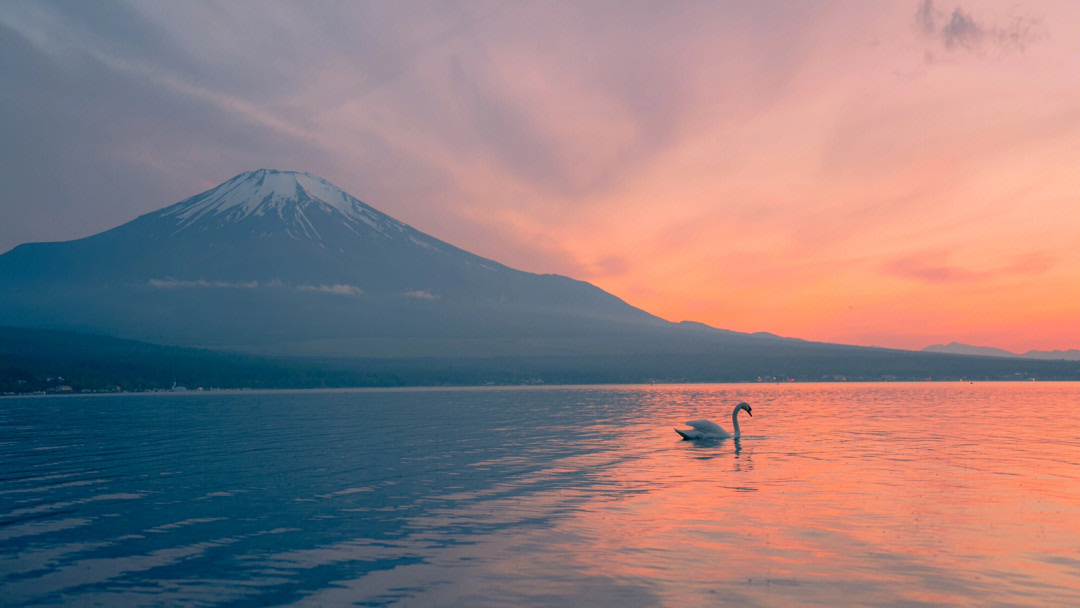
(43, 360)
(957, 348)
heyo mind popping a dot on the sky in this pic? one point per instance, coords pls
(894, 174)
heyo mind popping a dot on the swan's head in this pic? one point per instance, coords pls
(745, 406)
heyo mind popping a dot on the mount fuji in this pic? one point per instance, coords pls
(279, 262)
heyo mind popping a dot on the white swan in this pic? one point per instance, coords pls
(705, 429)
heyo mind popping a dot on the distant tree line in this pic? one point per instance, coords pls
(34, 360)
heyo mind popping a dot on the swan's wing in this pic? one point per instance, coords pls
(707, 427)
(689, 433)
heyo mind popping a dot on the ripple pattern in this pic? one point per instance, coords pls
(852, 494)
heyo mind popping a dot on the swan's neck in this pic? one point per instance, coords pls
(735, 421)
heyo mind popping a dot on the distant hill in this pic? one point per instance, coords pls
(957, 348)
(1053, 355)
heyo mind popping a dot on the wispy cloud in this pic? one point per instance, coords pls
(926, 17)
(337, 289)
(204, 284)
(930, 267)
(420, 294)
(961, 30)
(935, 267)
(171, 283)
(958, 29)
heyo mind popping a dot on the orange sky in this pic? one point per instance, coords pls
(900, 174)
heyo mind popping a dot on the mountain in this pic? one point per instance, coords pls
(1053, 355)
(309, 286)
(286, 263)
(957, 348)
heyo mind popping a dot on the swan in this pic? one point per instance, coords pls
(705, 429)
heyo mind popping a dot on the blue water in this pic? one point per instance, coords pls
(872, 494)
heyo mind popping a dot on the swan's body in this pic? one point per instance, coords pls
(706, 429)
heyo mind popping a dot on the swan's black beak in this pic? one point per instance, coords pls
(748, 413)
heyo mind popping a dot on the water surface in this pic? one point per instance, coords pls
(861, 494)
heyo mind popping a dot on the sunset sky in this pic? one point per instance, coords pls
(895, 174)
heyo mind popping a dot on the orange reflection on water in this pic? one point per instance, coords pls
(837, 494)
(885, 493)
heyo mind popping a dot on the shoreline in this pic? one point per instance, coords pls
(496, 387)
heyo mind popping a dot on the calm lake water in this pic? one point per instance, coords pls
(837, 494)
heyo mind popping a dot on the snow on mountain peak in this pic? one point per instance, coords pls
(268, 191)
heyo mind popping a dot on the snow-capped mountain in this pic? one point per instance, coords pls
(288, 230)
(287, 262)
(300, 206)
(282, 192)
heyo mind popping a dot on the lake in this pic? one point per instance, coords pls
(837, 494)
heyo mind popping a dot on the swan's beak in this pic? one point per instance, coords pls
(748, 413)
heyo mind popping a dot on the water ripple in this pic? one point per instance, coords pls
(887, 494)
